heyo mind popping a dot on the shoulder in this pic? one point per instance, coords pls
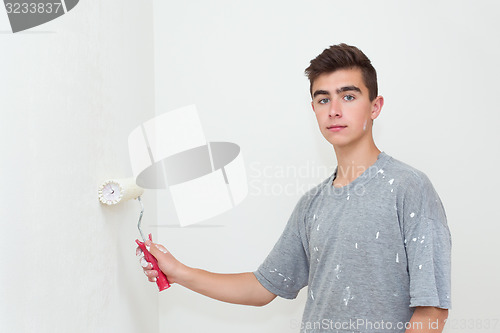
(408, 176)
(316, 191)
(416, 192)
(308, 199)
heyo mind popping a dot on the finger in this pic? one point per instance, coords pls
(155, 249)
(161, 248)
(151, 274)
(151, 248)
(144, 263)
(138, 251)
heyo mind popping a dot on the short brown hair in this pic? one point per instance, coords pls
(343, 56)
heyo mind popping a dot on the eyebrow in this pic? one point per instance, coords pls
(338, 91)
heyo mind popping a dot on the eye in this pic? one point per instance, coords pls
(324, 101)
(348, 98)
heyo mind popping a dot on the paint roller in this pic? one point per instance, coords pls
(114, 191)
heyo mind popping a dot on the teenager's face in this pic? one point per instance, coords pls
(343, 108)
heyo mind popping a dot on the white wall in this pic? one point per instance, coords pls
(242, 64)
(71, 91)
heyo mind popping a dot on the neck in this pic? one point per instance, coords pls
(351, 163)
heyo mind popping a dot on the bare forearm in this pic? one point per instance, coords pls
(427, 319)
(241, 288)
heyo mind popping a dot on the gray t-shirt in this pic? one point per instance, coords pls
(369, 251)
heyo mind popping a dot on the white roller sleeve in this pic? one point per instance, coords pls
(114, 191)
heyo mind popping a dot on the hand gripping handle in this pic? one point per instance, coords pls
(161, 280)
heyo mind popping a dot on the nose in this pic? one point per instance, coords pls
(335, 110)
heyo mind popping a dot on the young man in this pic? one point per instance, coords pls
(371, 242)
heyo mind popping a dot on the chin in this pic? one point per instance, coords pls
(335, 142)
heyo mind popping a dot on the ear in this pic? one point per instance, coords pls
(377, 104)
(312, 105)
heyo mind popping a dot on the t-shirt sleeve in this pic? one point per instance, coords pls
(286, 269)
(428, 245)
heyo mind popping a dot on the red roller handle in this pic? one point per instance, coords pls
(161, 280)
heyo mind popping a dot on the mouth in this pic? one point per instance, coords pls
(336, 128)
